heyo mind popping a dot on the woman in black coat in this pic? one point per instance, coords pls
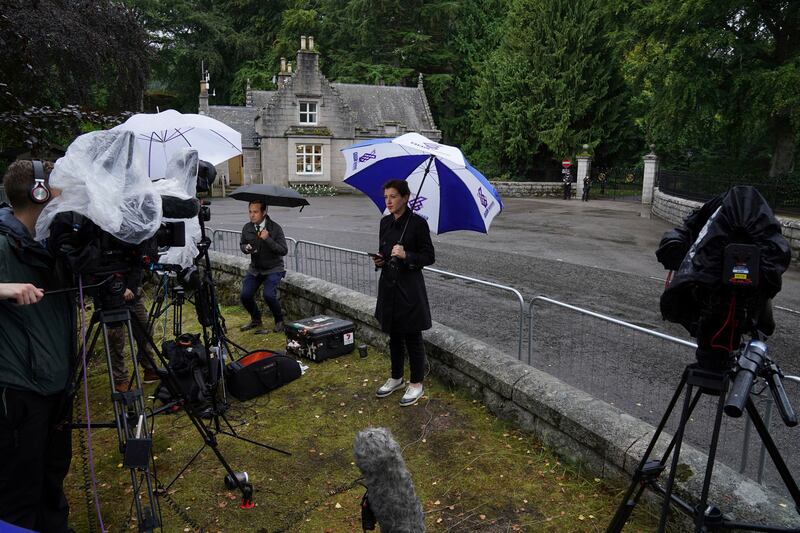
(402, 308)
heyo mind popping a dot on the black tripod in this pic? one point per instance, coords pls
(134, 435)
(712, 383)
(216, 342)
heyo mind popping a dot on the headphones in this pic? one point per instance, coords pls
(39, 193)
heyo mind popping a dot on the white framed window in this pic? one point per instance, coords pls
(308, 113)
(309, 159)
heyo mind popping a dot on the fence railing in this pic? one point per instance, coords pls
(633, 373)
(781, 192)
(227, 241)
(354, 269)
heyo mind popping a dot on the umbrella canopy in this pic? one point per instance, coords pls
(160, 135)
(271, 194)
(445, 189)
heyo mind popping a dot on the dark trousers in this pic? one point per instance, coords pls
(585, 196)
(416, 354)
(34, 460)
(567, 191)
(250, 285)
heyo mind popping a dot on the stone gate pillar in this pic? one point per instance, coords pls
(650, 172)
(584, 169)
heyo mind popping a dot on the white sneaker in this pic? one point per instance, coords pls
(412, 395)
(389, 387)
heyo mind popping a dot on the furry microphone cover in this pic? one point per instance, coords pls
(389, 487)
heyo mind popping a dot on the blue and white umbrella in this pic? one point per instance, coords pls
(445, 189)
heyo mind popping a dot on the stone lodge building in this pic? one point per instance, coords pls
(294, 134)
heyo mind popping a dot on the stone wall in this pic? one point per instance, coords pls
(601, 438)
(526, 189)
(674, 210)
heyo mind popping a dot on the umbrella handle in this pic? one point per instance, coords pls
(419, 190)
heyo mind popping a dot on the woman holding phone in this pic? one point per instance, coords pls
(402, 308)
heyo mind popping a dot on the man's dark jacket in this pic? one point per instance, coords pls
(36, 341)
(402, 304)
(267, 254)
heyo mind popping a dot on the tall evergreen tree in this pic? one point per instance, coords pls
(719, 75)
(552, 85)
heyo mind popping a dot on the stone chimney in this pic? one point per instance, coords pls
(307, 79)
(285, 74)
(202, 106)
(248, 95)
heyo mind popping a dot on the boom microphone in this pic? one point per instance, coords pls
(173, 207)
(390, 491)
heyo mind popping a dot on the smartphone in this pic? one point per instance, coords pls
(374, 255)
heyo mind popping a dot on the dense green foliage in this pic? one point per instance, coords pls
(718, 78)
(518, 84)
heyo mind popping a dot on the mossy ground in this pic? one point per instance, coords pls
(472, 471)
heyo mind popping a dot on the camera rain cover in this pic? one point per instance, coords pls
(741, 216)
(103, 178)
(181, 182)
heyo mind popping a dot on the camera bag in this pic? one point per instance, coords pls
(259, 372)
(320, 337)
(188, 362)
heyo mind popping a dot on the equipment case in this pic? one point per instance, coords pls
(320, 337)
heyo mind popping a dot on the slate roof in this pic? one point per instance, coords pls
(240, 118)
(375, 104)
(372, 106)
(260, 98)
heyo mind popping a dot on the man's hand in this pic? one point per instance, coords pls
(23, 293)
(263, 234)
(248, 248)
(128, 295)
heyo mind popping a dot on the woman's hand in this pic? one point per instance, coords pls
(398, 251)
(378, 260)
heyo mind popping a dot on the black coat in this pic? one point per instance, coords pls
(402, 304)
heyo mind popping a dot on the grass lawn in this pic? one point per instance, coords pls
(472, 471)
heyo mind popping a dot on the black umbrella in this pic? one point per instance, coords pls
(271, 194)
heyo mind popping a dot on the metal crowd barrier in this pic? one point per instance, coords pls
(765, 399)
(226, 241)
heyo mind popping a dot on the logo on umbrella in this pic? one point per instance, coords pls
(363, 159)
(416, 203)
(482, 197)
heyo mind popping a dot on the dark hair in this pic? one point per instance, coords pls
(401, 186)
(262, 203)
(18, 182)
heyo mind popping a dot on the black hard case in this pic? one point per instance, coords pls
(320, 337)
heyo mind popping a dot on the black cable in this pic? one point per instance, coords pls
(91, 518)
(298, 516)
(177, 509)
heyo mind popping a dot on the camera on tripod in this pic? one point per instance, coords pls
(728, 260)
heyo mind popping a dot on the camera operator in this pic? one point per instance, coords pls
(118, 335)
(36, 349)
(263, 240)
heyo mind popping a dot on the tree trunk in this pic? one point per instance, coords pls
(783, 146)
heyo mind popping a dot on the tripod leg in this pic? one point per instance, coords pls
(700, 510)
(662, 524)
(774, 453)
(637, 485)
